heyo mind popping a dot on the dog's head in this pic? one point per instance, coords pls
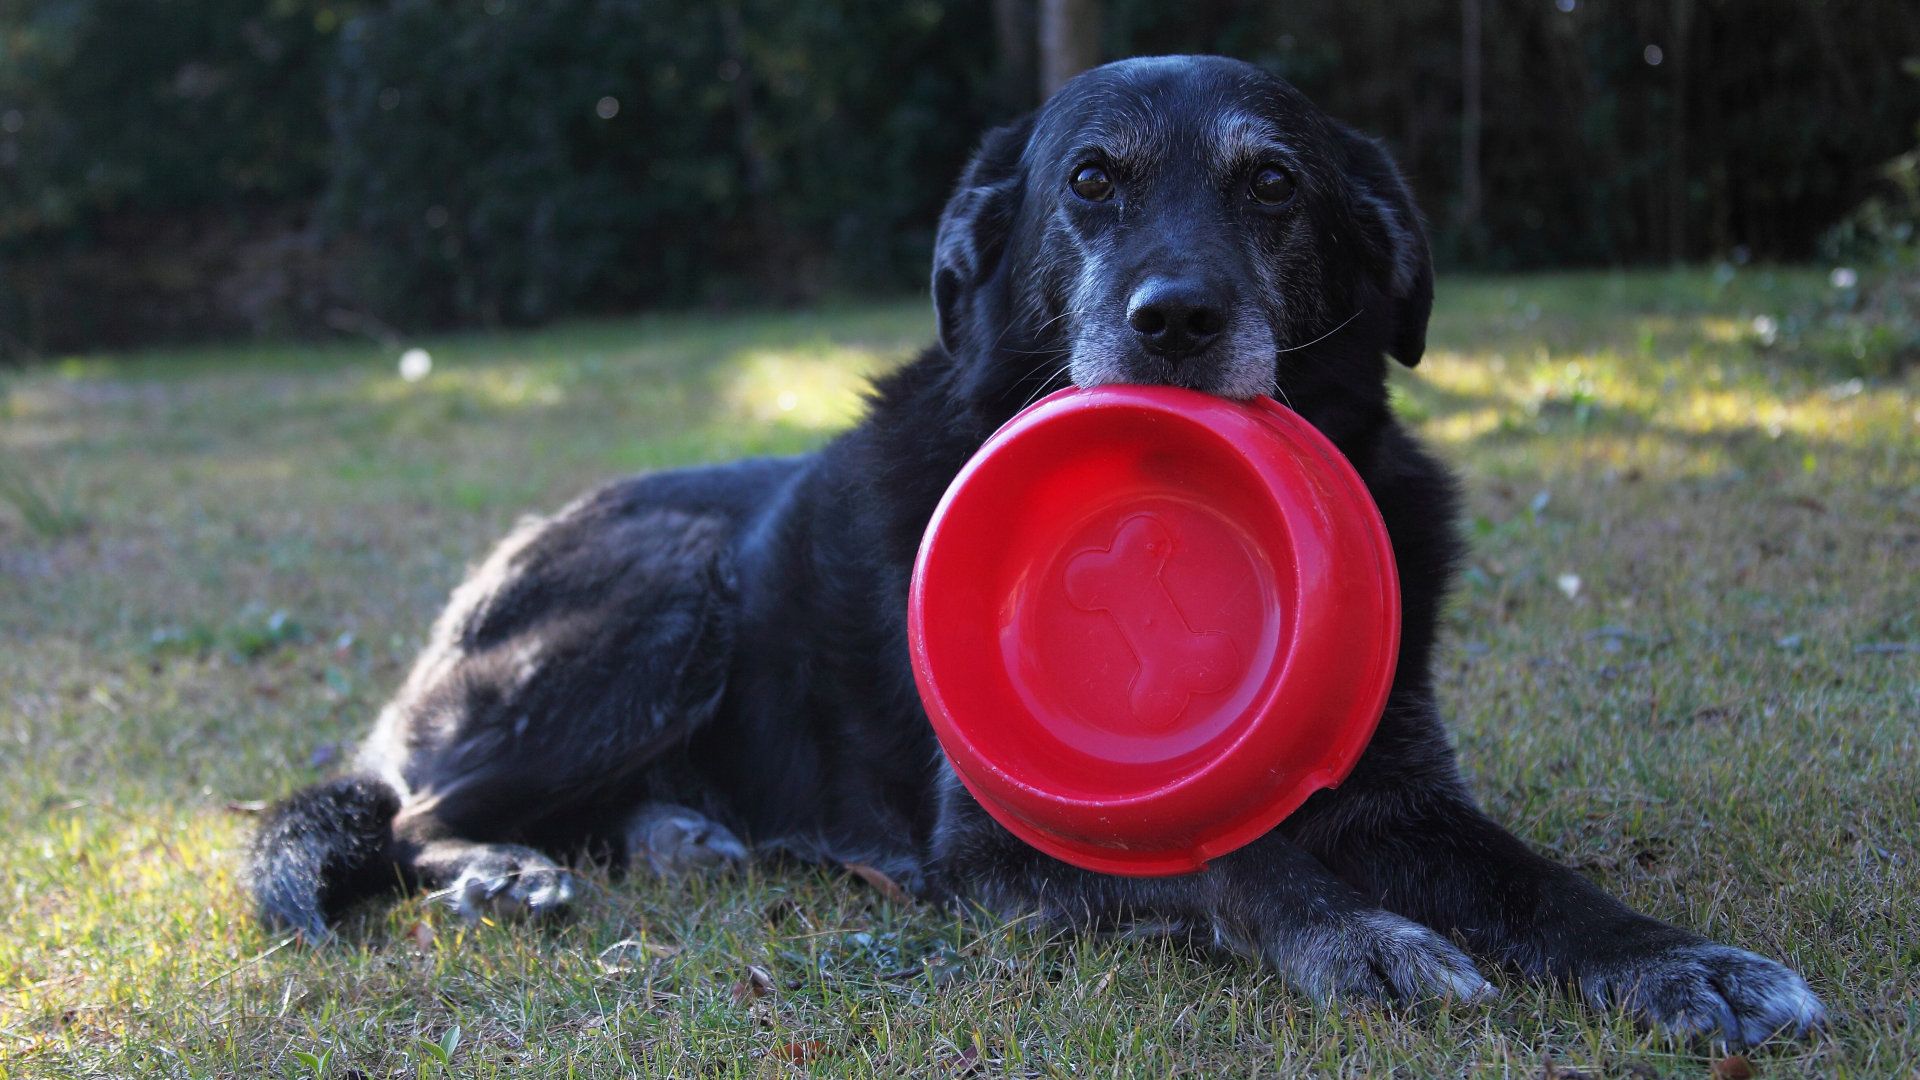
(1191, 221)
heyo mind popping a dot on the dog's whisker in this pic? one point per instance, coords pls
(1318, 363)
(1029, 308)
(1043, 326)
(1063, 314)
(1321, 338)
(1045, 383)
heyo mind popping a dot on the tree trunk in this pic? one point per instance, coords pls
(1677, 133)
(1069, 40)
(1837, 67)
(774, 254)
(1016, 32)
(1471, 67)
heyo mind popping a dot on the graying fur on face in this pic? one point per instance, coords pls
(1282, 312)
(1238, 138)
(1240, 366)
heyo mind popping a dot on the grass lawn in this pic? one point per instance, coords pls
(1685, 657)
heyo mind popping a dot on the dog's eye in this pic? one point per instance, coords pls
(1271, 185)
(1092, 183)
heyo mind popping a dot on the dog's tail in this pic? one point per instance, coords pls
(320, 850)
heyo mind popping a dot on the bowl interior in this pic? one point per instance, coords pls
(1117, 585)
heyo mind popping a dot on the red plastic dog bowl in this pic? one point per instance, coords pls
(1147, 623)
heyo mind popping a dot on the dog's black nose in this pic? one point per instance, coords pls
(1176, 317)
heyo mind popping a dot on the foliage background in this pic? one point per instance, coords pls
(212, 167)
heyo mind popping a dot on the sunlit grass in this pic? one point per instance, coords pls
(818, 389)
(1717, 721)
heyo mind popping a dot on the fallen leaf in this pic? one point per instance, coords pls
(881, 883)
(801, 1052)
(962, 1062)
(757, 984)
(1098, 986)
(613, 959)
(1734, 1067)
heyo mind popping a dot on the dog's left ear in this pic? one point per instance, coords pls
(973, 236)
(1397, 243)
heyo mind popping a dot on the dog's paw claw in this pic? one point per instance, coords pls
(1379, 956)
(1704, 990)
(672, 841)
(1415, 962)
(510, 885)
(547, 891)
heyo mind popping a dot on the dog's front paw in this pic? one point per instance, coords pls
(1378, 956)
(1700, 989)
(510, 882)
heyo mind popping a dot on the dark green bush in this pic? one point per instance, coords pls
(156, 160)
(117, 107)
(512, 160)
(193, 168)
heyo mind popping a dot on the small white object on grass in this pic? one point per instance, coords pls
(415, 364)
(1569, 584)
(1843, 277)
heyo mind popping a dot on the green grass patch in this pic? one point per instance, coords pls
(1684, 656)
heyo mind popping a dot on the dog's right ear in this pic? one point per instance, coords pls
(973, 237)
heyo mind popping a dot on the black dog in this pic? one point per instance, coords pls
(681, 660)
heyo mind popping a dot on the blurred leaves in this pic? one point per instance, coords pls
(111, 107)
(523, 159)
(207, 167)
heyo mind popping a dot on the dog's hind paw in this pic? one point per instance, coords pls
(1703, 990)
(672, 840)
(509, 882)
